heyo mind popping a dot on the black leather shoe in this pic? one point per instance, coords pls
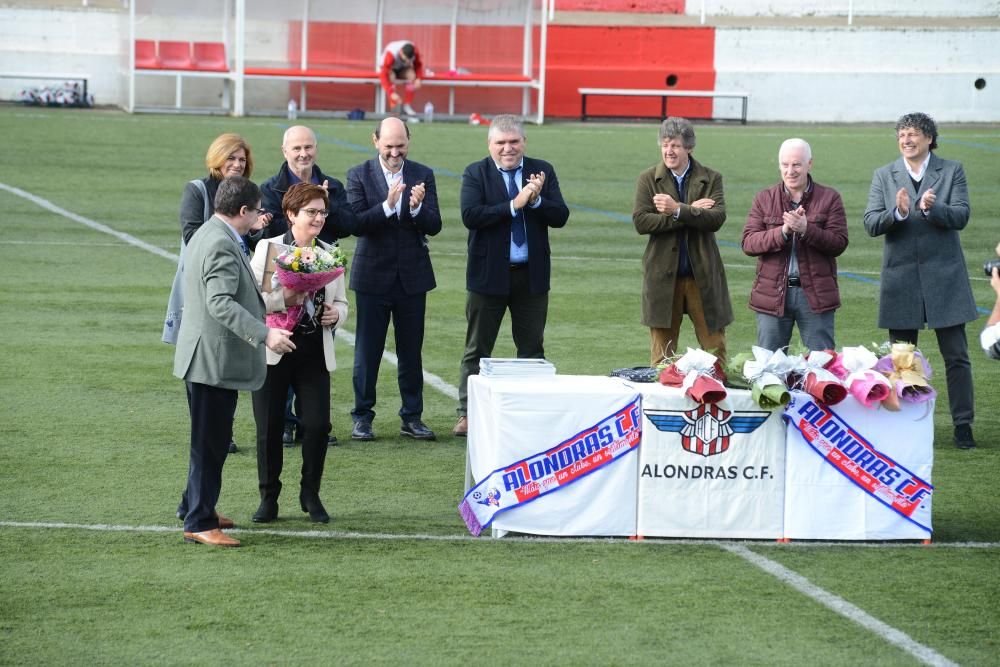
(266, 513)
(963, 437)
(312, 505)
(362, 431)
(331, 440)
(232, 447)
(288, 437)
(417, 430)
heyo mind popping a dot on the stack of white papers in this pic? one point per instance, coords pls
(490, 367)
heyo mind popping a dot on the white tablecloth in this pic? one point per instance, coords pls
(512, 418)
(709, 471)
(760, 481)
(821, 503)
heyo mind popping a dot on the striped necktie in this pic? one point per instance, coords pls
(517, 231)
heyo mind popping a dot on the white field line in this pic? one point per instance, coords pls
(801, 584)
(435, 381)
(840, 606)
(127, 238)
(347, 336)
(464, 537)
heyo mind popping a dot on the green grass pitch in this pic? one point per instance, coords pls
(94, 429)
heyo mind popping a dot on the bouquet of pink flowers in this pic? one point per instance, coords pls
(855, 366)
(307, 270)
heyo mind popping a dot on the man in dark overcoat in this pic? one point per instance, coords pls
(919, 204)
(679, 205)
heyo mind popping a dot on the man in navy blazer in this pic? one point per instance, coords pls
(920, 203)
(396, 203)
(508, 201)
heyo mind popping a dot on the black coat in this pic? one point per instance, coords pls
(393, 246)
(340, 223)
(486, 213)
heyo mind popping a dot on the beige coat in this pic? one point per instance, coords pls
(275, 302)
(659, 261)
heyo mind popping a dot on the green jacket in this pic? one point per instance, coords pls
(221, 339)
(659, 261)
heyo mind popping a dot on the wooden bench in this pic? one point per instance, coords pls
(663, 95)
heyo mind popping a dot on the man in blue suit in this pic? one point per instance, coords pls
(396, 203)
(508, 201)
(920, 203)
(220, 348)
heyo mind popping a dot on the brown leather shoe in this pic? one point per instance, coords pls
(214, 538)
(224, 521)
(461, 429)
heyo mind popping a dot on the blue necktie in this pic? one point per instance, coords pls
(243, 244)
(517, 224)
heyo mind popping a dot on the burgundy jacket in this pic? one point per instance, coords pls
(817, 248)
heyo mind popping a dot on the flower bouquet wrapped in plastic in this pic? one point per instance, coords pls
(867, 385)
(307, 270)
(816, 380)
(766, 373)
(908, 373)
(697, 372)
(734, 370)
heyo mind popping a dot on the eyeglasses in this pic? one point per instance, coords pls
(260, 212)
(313, 212)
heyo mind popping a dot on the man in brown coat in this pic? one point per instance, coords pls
(795, 229)
(679, 204)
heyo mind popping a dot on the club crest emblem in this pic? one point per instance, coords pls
(492, 498)
(706, 429)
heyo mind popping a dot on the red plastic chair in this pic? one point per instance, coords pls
(175, 55)
(145, 54)
(210, 56)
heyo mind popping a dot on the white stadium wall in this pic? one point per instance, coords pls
(46, 41)
(861, 74)
(888, 8)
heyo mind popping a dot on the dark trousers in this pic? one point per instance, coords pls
(954, 348)
(182, 509)
(291, 407)
(373, 312)
(484, 313)
(304, 370)
(212, 410)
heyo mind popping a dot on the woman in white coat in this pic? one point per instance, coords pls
(306, 369)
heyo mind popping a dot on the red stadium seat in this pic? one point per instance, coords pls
(210, 56)
(176, 55)
(145, 54)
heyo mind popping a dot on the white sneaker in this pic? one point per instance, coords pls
(408, 110)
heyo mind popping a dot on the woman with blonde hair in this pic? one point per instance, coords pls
(229, 155)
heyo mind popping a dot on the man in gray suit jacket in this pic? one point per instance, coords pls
(220, 347)
(920, 203)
